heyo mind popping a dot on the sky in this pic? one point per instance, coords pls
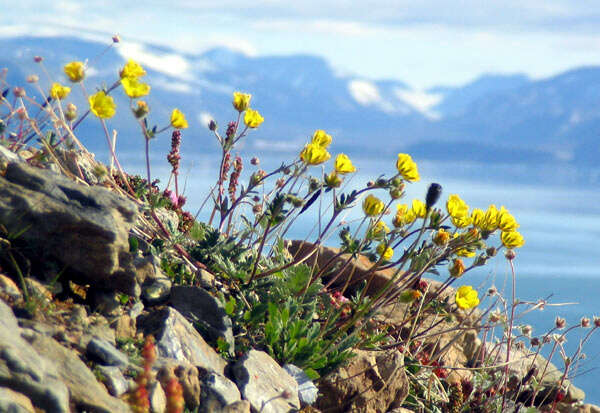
(422, 43)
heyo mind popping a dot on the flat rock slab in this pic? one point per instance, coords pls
(105, 352)
(85, 391)
(25, 371)
(176, 338)
(265, 384)
(85, 228)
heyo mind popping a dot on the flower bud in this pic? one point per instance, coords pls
(314, 184)
(370, 184)
(560, 322)
(396, 193)
(433, 195)
(212, 125)
(38, 59)
(596, 321)
(492, 291)
(71, 112)
(256, 198)
(441, 238)
(257, 208)
(333, 180)
(397, 182)
(19, 92)
(32, 78)
(535, 342)
(491, 251)
(585, 322)
(116, 38)
(408, 296)
(255, 161)
(457, 269)
(2, 126)
(381, 182)
(280, 183)
(141, 109)
(526, 330)
(510, 255)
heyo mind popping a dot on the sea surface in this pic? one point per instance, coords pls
(557, 206)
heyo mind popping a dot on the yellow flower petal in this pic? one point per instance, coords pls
(58, 91)
(321, 138)
(178, 120)
(75, 71)
(241, 101)
(132, 70)
(102, 105)
(466, 297)
(512, 239)
(343, 164)
(314, 154)
(373, 206)
(252, 118)
(407, 167)
(134, 88)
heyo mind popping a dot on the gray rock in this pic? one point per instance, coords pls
(156, 291)
(218, 392)
(136, 310)
(169, 218)
(7, 156)
(157, 397)
(197, 305)
(106, 353)
(84, 228)
(176, 338)
(13, 402)
(106, 302)
(307, 391)
(85, 391)
(23, 370)
(114, 380)
(265, 384)
(243, 406)
(81, 164)
(186, 374)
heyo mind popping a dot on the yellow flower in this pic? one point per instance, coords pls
(313, 154)
(252, 118)
(512, 239)
(58, 91)
(132, 70)
(373, 206)
(477, 217)
(102, 105)
(74, 71)
(459, 211)
(467, 252)
(343, 164)
(379, 230)
(441, 238)
(333, 180)
(457, 269)
(321, 138)
(404, 216)
(506, 222)
(466, 297)
(134, 88)
(489, 222)
(419, 208)
(178, 120)
(461, 222)
(384, 251)
(407, 167)
(241, 101)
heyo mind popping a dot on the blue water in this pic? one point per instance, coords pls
(558, 208)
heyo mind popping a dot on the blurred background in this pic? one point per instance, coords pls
(497, 101)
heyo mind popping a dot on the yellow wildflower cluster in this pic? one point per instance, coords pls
(405, 216)
(315, 152)
(130, 80)
(241, 102)
(459, 211)
(75, 71)
(493, 219)
(379, 230)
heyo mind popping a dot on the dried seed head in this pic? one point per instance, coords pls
(560, 322)
(585, 322)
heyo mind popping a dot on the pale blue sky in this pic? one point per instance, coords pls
(422, 43)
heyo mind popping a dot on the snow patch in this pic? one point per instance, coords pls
(421, 101)
(364, 92)
(171, 64)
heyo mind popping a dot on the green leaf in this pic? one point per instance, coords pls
(230, 307)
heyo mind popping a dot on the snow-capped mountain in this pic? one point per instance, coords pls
(496, 118)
